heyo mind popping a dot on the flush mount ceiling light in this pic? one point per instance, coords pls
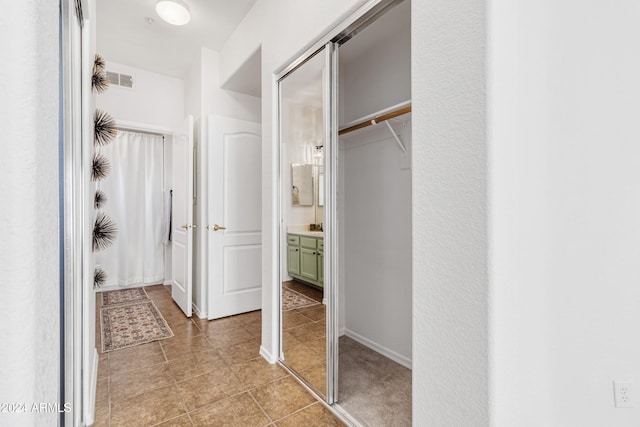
(175, 12)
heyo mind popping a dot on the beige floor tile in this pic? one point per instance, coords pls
(222, 324)
(313, 416)
(102, 389)
(147, 409)
(316, 312)
(250, 317)
(229, 336)
(240, 352)
(103, 365)
(136, 357)
(257, 372)
(180, 347)
(181, 421)
(208, 388)
(309, 331)
(302, 357)
(282, 397)
(101, 416)
(289, 341)
(184, 330)
(291, 319)
(317, 378)
(128, 384)
(237, 411)
(189, 367)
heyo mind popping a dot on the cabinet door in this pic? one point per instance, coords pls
(293, 260)
(309, 264)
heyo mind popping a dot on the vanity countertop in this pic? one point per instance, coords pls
(308, 233)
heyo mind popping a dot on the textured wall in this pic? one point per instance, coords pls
(565, 202)
(450, 283)
(29, 254)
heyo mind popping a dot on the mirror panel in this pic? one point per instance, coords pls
(301, 185)
(301, 134)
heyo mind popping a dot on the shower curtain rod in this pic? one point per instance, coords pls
(127, 129)
(377, 119)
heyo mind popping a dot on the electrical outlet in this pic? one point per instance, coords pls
(623, 394)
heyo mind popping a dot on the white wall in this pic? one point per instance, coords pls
(377, 242)
(155, 99)
(450, 280)
(565, 203)
(283, 29)
(378, 76)
(30, 255)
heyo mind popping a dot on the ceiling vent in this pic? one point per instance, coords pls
(122, 80)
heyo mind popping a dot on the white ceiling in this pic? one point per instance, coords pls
(124, 36)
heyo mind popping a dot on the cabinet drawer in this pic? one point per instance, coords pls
(321, 244)
(293, 240)
(308, 242)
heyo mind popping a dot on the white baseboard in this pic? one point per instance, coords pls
(90, 416)
(267, 356)
(200, 313)
(107, 288)
(388, 353)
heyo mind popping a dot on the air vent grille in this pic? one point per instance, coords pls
(123, 80)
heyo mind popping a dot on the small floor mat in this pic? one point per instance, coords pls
(127, 325)
(122, 296)
(292, 300)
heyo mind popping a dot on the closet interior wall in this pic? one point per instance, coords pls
(374, 206)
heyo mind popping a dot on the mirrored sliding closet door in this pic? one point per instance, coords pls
(303, 106)
(345, 229)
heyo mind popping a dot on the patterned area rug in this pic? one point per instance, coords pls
(122, 296)
(127, 325)
(292, 300)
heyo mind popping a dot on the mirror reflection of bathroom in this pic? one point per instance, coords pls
(302, 158)
(374, 220)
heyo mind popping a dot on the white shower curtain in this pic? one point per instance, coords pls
(134, 190)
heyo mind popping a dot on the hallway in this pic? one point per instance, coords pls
(209, 373)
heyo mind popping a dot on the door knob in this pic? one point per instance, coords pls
(185, 226)
(217, 227)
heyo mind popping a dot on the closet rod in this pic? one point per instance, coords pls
(376, 120)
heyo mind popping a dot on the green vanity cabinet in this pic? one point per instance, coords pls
(293, 261)
(305, 259)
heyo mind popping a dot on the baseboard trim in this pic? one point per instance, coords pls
(90, 416)
(201, 314)
(267, 355)
(388, 353)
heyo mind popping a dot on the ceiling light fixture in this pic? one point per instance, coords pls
(175, 12)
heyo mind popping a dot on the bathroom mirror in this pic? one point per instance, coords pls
(320, 189)
(301, 185)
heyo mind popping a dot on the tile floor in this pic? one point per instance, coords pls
(372, 388)
(304, 338)
(208, 374)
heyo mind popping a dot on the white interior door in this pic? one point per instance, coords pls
(234, 216)
(182, 216)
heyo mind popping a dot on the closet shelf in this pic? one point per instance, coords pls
(379, 117)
